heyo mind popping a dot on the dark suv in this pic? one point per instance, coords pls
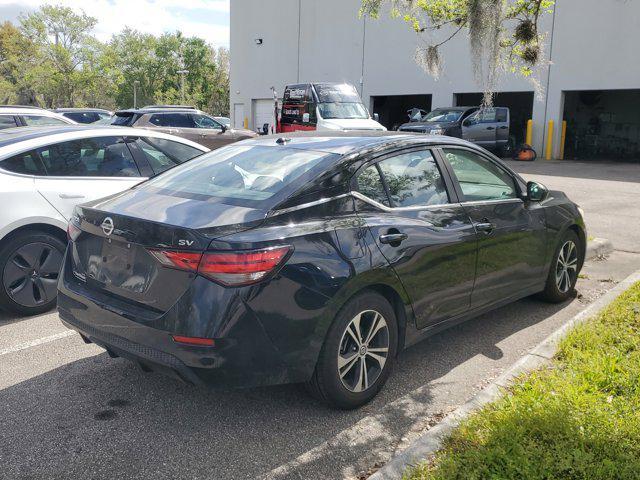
(182, 121)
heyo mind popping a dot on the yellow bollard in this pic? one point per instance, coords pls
(563, 137)
(549, 141)
(246, 122)
(529, 136)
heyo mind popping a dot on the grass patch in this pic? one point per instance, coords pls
(578, 419)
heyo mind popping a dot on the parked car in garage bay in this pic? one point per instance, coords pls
(44, 173)
(183, 121)
(487, 127)
(312, 258)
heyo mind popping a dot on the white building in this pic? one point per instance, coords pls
(593, 81)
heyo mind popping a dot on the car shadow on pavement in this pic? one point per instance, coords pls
(103, 418)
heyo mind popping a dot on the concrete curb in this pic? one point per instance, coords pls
(598, 248)
(431, 441)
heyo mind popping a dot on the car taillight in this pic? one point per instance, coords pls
(228, 268)
(73, 232)
(181, 260)
(242, 267)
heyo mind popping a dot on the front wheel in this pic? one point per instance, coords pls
(565, 267)
(358, 352)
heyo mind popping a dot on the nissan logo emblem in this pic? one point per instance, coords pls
(107, 226)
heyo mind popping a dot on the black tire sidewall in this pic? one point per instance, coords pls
(326, 376)
(6, 251)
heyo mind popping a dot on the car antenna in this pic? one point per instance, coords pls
(282, 140)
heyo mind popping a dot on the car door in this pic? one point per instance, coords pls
(426, 236)
(511, 232)
(78, 171)
(209, 132)
(480, 128)
(502, 126)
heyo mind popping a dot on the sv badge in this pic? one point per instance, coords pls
(185, 243)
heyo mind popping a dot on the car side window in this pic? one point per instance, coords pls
(163, 154)
(26, 163)
(414, 178)
(370, 184)
(40, 120)
(203, 121)
(479, 178)
(177, 120)
(7, 121)
(487, 115)
(89, 157)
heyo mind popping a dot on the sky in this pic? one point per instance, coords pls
(208, 19)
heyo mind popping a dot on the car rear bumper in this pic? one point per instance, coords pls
(242, 356)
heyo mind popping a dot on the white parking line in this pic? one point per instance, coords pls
(36, 342)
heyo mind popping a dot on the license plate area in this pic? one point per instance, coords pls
(113, 265)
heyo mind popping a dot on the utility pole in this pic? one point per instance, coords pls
(182, 73)
(135, 93)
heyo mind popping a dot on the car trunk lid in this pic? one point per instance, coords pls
(114, 252)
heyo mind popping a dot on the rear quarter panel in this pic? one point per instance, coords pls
(331, 262)
(23, 205)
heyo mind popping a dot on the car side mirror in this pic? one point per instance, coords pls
(305, 118)
(536, 192)
(376, 117)
(224, 127)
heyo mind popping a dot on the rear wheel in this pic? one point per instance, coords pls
(565, 267)
(29, 267)
(358, 352)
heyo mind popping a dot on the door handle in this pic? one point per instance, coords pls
(69, 195)
(485, 227)
(489, 128)
(504, 127)
(393, 238)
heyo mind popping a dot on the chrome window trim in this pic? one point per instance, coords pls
(359, 196)
(493, 201)
(372, 202)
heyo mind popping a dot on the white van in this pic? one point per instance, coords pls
(324, 106)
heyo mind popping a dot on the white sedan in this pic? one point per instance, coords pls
(44, 173)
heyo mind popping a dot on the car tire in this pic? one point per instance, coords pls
(564, 269)
(29, 267)
(350, 385)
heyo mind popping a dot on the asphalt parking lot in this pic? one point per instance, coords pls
(68, 410)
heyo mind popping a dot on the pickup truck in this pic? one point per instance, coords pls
(487, 127)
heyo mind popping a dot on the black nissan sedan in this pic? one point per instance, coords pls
(312, 258)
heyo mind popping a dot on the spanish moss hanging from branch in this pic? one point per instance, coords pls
(503, 34)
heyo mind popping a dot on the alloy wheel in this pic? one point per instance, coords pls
(30, 276)
(567, 266)
(363, 351)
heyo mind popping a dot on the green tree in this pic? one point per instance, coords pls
(65, 52)
(503, 34)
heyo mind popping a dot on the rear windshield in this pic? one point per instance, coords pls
(238, 173)
(122, 119)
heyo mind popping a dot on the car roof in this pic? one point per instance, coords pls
(76, 109)
(349, 142)
(36, 136)
(159, 110)
(26, 110)
(454, 108)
